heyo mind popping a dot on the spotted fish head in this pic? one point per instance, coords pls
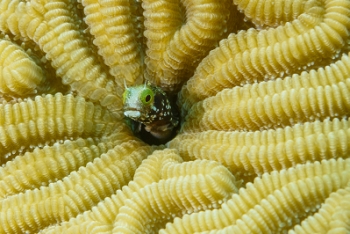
(145, 103)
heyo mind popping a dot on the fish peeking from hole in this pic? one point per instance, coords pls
(150, 110)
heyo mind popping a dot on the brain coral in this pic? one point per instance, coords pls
(263, 88)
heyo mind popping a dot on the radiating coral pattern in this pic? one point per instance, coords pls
(263, 88)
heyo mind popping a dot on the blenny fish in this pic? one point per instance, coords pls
(150, 106)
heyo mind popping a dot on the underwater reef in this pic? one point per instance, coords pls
(262, 87)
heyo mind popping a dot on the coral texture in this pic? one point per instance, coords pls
(264, 96)
(19, 73)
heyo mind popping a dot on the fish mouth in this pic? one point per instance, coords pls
(132, 113)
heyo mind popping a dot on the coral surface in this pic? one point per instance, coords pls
(263, 89)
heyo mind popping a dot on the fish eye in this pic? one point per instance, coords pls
(147, 96)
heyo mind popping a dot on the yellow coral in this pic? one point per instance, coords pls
(273, 203)
(62, 200)
(58, 36)
(263, 151)
(19, 74)
(162, 188)
(179, 34)
(273, 13)
(256, 55)
(151, 207)
(74, 166)
(312, 95)
(52, 163)
(111, 24)
(50, 118)
(333, 216)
